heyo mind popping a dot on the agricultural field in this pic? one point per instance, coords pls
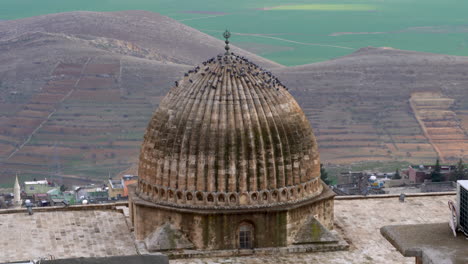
(442, 126)
(297, 32)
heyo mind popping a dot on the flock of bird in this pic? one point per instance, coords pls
(236, 66)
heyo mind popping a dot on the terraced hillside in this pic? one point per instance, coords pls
(84, 118)
(360, 105)
(76, 94)
(441, 124)
(78, 89)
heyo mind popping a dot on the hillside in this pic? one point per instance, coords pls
(166, 38)
(77, 90)
(385, 104)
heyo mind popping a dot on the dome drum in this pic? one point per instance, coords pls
(229, 200)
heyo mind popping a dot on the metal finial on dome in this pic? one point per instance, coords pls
(227, 35)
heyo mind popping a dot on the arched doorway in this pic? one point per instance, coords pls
(246, 235)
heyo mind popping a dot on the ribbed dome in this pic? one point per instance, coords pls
(228, 135)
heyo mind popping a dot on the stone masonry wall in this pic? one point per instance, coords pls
(214, 231)
(322, 211)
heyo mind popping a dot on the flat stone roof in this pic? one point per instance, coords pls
(359, 220)
(158, 259)
(434, 243)
(64, 234)
(88, 231)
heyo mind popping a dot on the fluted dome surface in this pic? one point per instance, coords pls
(229, 134)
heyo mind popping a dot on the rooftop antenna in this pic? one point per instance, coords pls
(227, 35)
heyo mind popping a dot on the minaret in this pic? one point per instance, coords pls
(17, 193)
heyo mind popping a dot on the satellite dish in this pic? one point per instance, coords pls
(85, 202)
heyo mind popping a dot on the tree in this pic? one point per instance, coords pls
(63, 188)
(436, 176)
(459, 173)
(324, 175)
(397, 175)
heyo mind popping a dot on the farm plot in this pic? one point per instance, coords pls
(441, 125)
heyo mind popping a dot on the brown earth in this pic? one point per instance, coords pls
(77, 91)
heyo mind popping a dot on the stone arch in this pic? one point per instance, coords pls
(274, 195)
(199, 196)
(170, 194)
(292, 192)
(221, 198)
(254, 197)
(283, 194)
(189, 196)
(155, 193)
(264, 196)
(140, 185)
(210, 198)
(245, 235)
(232, 199)
(162, 193)
(179, 196)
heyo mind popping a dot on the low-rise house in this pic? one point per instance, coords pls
(58, 197)
(116, 189)
(420, 173)
(127, 180)
(41, 199)
(91, 193)
(32, 188)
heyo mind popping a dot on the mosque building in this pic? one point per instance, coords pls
(230, 161)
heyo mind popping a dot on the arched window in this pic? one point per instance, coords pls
(246, 235)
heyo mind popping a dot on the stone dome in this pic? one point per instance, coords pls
(228, 135)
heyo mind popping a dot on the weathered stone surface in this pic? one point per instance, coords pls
(158, 259)
(229, 134)
(359, 222)
(218, 229)
(167, 237)
(64, 234)
(314, 232)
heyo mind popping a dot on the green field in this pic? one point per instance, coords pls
(298, 32)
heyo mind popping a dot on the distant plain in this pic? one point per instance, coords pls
(297, 32)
